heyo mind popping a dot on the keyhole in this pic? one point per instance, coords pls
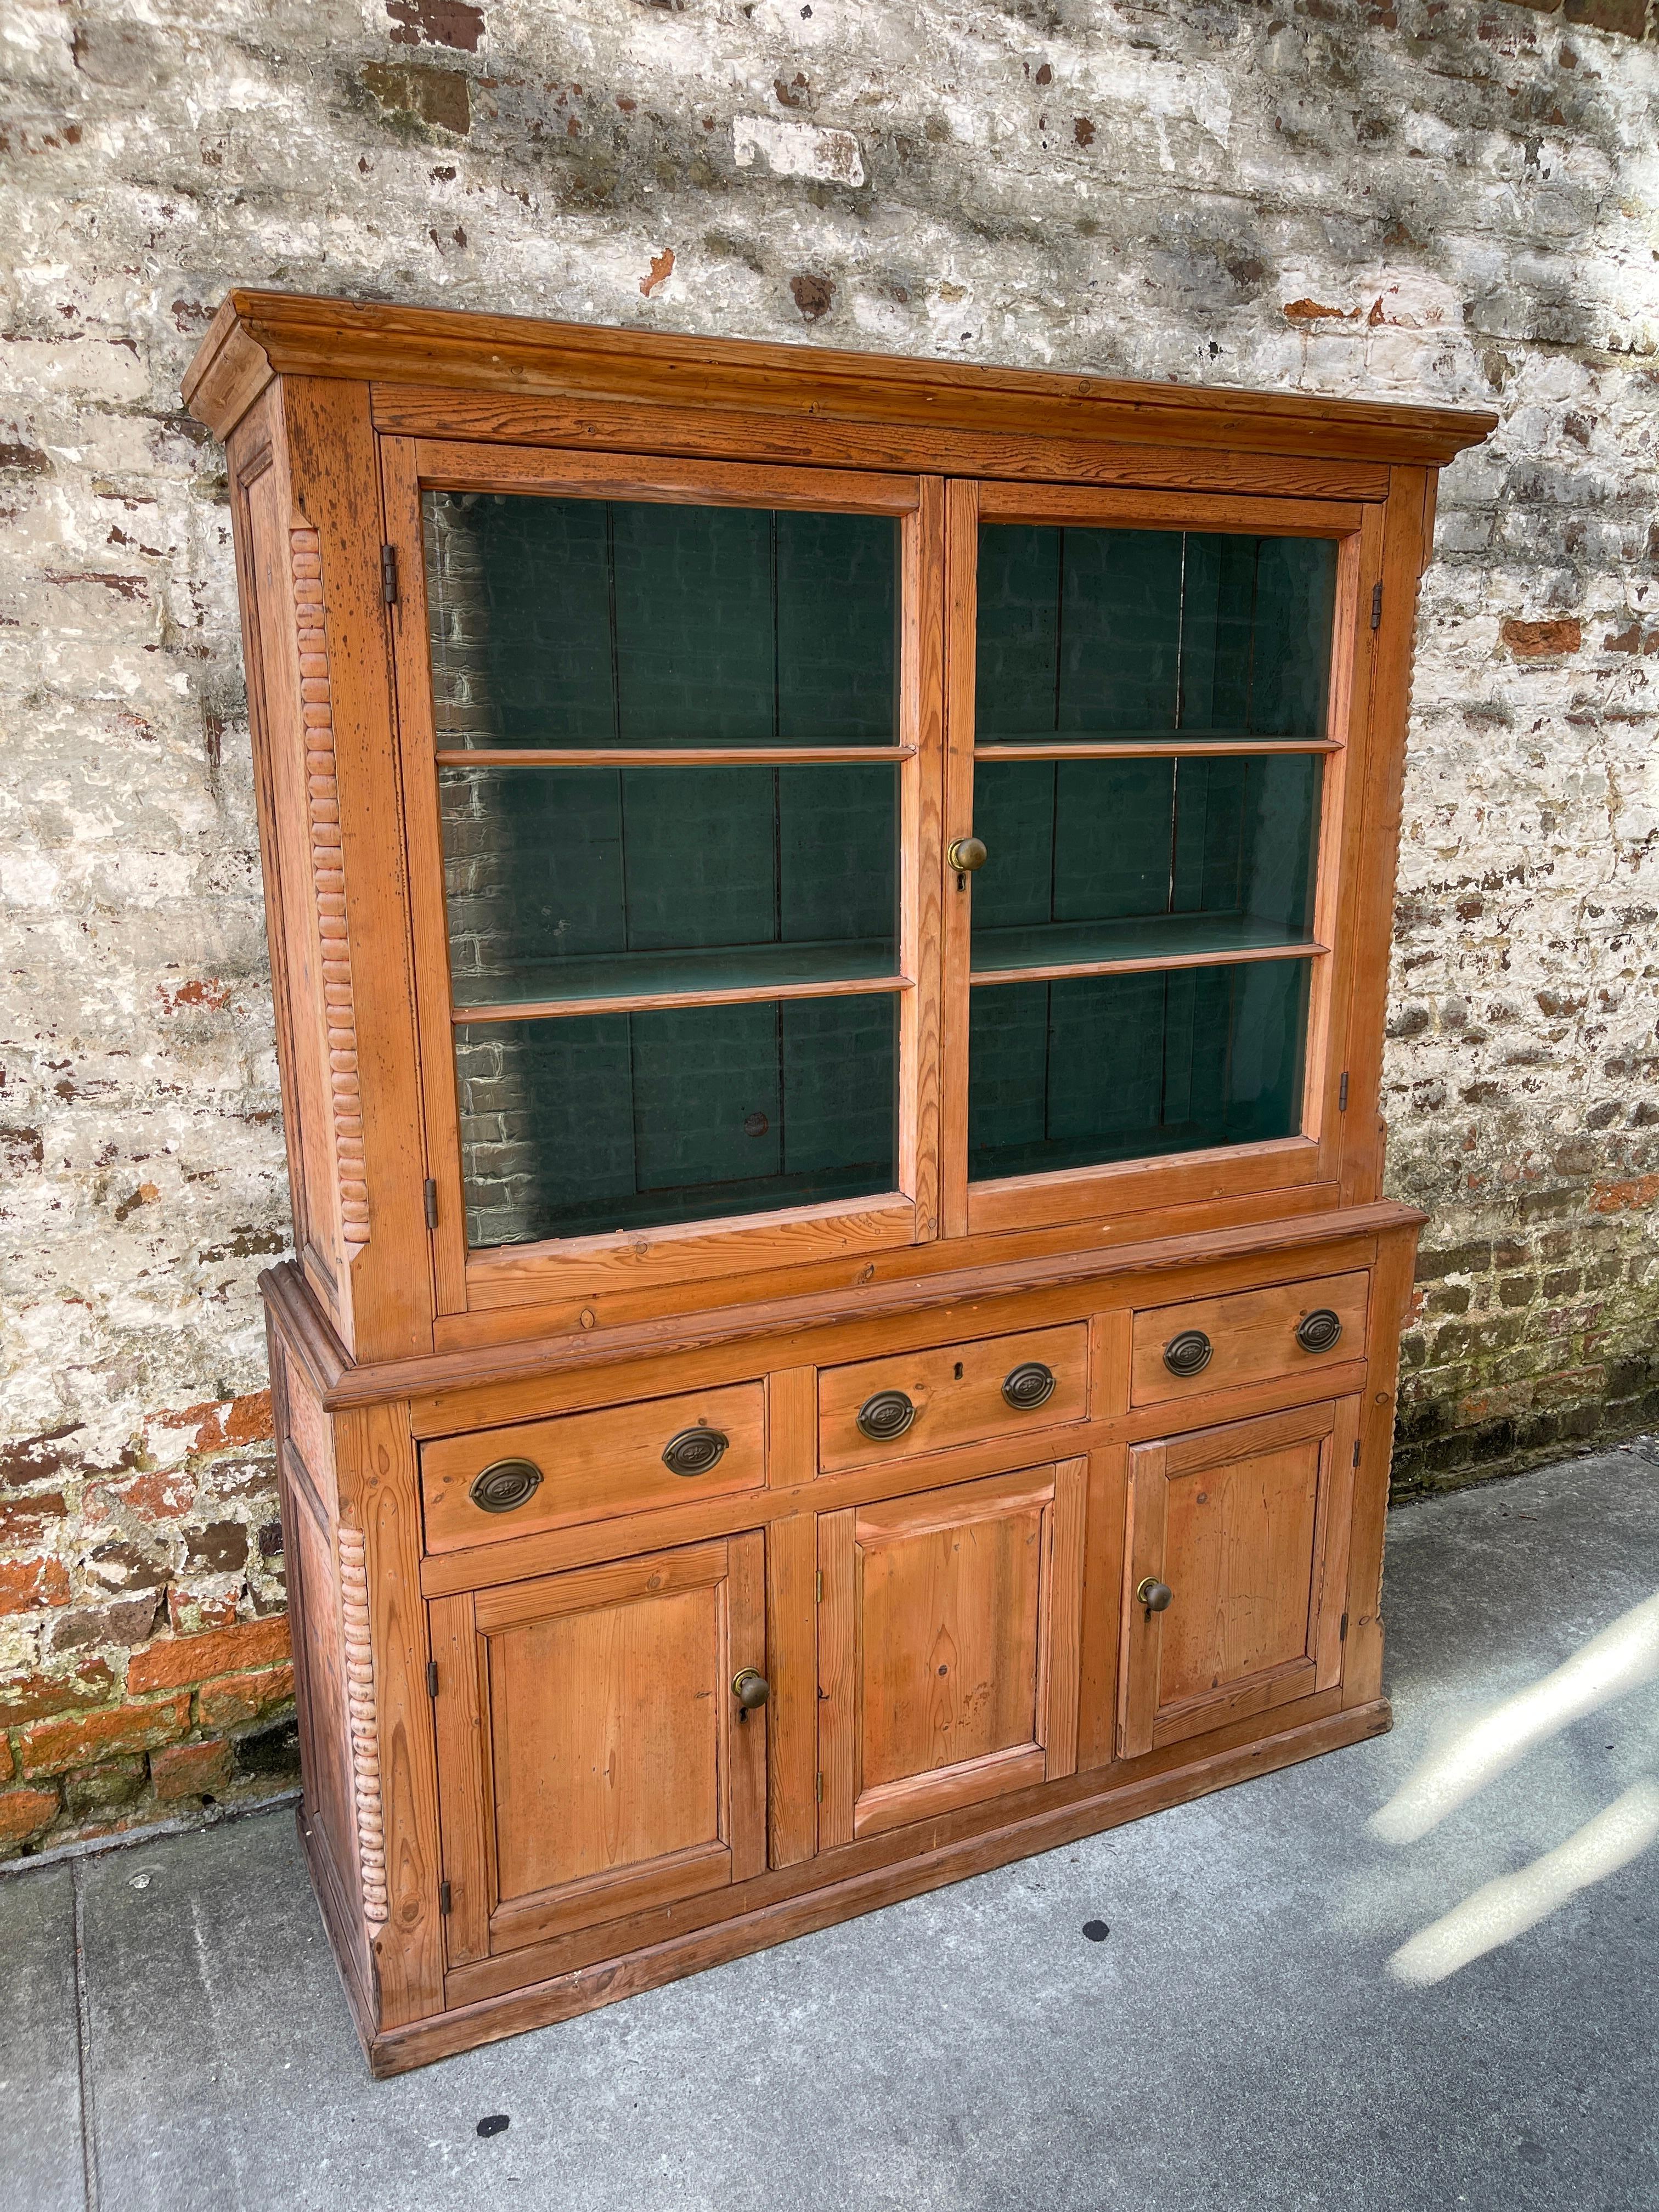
(958, 1371)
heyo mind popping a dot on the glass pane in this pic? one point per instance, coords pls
(602, 1121)
(588, 623)
(1090, 1068)
(602, 882)
(1145, 633)
(1102, 859)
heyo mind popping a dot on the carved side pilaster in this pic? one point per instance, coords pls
(365, 1728)
(328, 882)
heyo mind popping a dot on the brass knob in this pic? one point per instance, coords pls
(750, 1689)
(1319, 1330)
(694, 1451)
(1031, 1385)
(1188, 1353)
(887, 1415)
(1154, 1594)
(967, 854)
(505, 1484)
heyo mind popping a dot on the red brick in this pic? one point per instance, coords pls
(190, 1770)
(23, 1519)
(49, 1746)
(24, 1813)
(244, 1697)
(1634, 1196)
(30, 1585)
(157, 1496)
(1542, 641)
(179, 1659)
(36, 1697)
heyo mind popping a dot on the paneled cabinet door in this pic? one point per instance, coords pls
(592, 1757)
(1235, 1568)
(948, 1647)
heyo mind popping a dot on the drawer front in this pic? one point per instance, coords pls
(1249, 1336)
(952, 1394)
(500, 1483)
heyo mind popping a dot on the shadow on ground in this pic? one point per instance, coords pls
(1238, 2041)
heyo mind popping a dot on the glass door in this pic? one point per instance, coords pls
(1146, 710)
(672, 743)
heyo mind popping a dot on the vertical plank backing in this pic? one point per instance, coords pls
(838, 1683)
(792, 1712)
(462, 1802)
(379, 1495)
(961, 565)
(1391, 1293)
(336, 475)
(1065, 1614)
(746, 1734)
(1143, 1556)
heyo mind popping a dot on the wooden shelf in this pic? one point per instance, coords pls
(714, 976)
(1049, 949)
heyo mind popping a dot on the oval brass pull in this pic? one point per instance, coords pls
(750, 1689)
(1154, 1594)
(505, 1484)
(1029, 1385)
(1319, 1330)
(967, 854)
(1188, 1353)
(694, 1451)
(887, 1415)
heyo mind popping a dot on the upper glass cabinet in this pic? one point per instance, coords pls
(1151, 711)
(668, 794)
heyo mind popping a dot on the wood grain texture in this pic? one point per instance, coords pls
(1063, 1603)
(1062, 505)
(378, 1498)
(961, 572)
(1252, 1334)
(956, 1391)
(1391, 1298)
(792, 1668)
(458, 1710)
(717, 433)
(593, 1466)
(921, 924)
(298, 334)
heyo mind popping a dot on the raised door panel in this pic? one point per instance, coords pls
(593, 1760)
(948, 1647)
(1235, 1565)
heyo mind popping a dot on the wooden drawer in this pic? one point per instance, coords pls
(1251, 1336)
(955, 1393)
(587, 1467)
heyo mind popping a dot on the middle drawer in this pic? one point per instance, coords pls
(496, 1483)
(952, 1393)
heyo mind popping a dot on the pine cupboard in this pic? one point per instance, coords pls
(828, 921)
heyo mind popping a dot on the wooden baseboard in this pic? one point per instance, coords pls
(542, 2004)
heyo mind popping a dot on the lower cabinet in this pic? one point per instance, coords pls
(948, 1634)
(594, 1758)
(1235, 1564)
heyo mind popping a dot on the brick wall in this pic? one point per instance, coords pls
(1432, 199)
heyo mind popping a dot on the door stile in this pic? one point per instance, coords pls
(746, 1734)
(463, 1789)
(1143, 1556)
(837, 1678)
(921, 687)
(1065, 1616)
(961, 584)
(1327, 1629)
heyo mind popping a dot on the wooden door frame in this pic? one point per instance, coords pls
(1313, 1156)
(564, 1268)
(1334, 1424)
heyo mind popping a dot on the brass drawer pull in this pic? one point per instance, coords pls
(1031, 1385)
(1319, 1330)
(887, 1415)
(505, 1484)
(694, 1451)
(1188, 1353)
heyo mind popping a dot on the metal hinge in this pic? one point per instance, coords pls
(820, 1590)
(432, 1678)
(1376, 604)
(820, 1789)
(1342, 1093)
(1342, 1632)
(1356, 1452)
(429, 1199)
(389, 575)
(443, 1897)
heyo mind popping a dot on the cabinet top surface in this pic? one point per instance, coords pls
(259, 336)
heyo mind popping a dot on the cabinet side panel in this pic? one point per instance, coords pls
(276, 712)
